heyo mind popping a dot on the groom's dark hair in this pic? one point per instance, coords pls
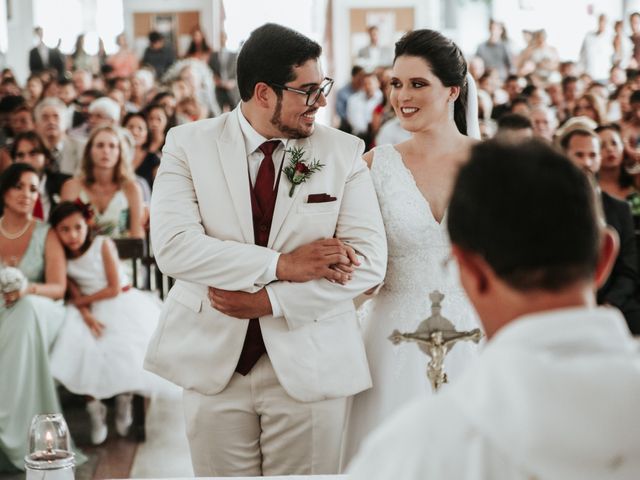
(269, 55)
(529, 213)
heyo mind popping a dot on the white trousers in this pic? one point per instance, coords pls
(253, 427)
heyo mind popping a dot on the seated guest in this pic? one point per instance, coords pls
(544, 122)
(591, 106)
(30, 317)
(144, 162)
(621, 289)
(189, 110)
(513, 87)
(614, 178)
(51, 124)
(157, 120)
(107, 328)
(102, 111)
(21, 120)
(29, 148)
(554, 394)
(514, 127)
(360, 106)
(107, 183)
(169, 102)
(345, 93)
(520, 106)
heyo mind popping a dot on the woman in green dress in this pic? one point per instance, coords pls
(29, 318)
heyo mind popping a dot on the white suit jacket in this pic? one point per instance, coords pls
(202, 235)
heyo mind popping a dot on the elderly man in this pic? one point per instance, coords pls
(51, 124)
(544, 122)
(102, 111)
(555, 392)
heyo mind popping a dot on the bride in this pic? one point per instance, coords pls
(413, 181)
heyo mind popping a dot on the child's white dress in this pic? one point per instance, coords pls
(111, 364)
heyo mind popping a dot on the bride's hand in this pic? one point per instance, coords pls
(314, 261)
(345, 270)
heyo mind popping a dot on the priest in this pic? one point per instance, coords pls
(555, 393)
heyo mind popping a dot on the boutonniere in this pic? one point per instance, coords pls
(298, 171)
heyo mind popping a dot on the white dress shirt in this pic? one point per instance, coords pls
(252, 142)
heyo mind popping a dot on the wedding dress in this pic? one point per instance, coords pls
(418, 251)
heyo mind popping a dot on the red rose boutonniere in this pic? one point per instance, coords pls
(298, 171)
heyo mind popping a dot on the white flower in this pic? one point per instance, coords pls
(12, 279)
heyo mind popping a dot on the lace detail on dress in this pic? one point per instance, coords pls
(418, 249)
(418, 244)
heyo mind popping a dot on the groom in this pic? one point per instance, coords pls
(260, 328)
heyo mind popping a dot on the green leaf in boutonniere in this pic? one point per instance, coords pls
(298, 171)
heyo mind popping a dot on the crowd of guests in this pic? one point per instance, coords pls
(80, 144)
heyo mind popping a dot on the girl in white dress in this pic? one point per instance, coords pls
(413, 181)
(100, 349)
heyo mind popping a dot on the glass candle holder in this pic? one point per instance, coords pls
(50, 454)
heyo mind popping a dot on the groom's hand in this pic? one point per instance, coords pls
(240, 304)
(315, 260)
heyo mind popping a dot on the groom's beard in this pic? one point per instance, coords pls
(286, 130)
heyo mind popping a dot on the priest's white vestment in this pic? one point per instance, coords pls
(554, 395)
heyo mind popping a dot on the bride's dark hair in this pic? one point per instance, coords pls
(446, 62)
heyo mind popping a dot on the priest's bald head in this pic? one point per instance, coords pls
(527, 232)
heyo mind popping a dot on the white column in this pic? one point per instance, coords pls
(20, 35)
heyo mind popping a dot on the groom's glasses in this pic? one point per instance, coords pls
(312, 95)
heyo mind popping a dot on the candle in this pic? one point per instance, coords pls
(48, 438)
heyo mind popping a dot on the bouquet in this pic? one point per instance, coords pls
(12, 279)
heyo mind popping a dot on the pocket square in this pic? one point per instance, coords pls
(320, 198)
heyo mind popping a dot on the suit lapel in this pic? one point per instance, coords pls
(233, 158)
(284, 202)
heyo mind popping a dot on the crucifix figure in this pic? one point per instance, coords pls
(435, 336)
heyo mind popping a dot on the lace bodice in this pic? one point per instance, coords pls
(418, 245)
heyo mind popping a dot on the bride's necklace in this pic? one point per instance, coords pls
(13, 236)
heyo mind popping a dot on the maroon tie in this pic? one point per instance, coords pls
(263, 200)
(266, 176)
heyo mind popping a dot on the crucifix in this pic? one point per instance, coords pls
(436, 336)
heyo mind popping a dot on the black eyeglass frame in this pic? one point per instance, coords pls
(324, 89)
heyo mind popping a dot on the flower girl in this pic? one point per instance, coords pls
(100, 349)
